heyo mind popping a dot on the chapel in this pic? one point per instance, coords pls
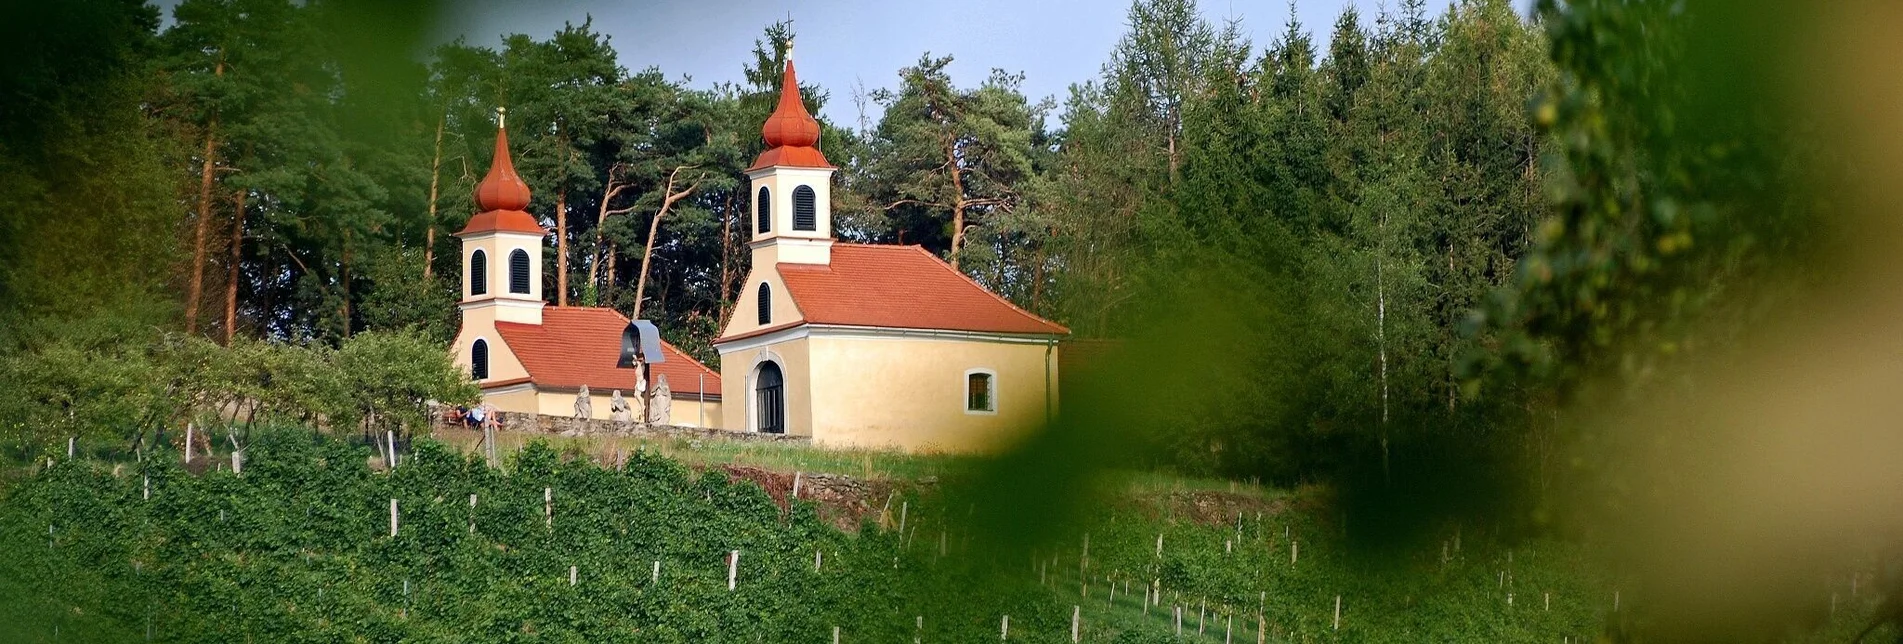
(529, 357)
(861, 345)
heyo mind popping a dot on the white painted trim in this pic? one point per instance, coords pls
(965, 386)
(485, 235)
(469, 261)
(877, 333)
(497, 300)
(517, 387)
(534, 272)
(791, 241)
(753, 378)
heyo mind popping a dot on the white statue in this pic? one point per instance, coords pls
(618, 408)
(584, 403)
(661, 403)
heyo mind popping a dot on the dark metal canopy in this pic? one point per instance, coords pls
(640, 342)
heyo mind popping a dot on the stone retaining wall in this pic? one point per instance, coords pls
(521, 422)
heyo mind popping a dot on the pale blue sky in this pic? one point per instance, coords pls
(847, 43)
(844, 44)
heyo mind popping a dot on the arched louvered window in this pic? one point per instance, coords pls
(766, 303)
(479, 360)
(519, 271)
(478, 273)
(805, 215)
(764, 205)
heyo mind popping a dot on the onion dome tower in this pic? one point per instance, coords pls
(792, 184)
(502, 245)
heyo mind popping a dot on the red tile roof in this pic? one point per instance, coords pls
(790, 132)
(902, 287)
(508, 221)
(501, 197)
(577, 345)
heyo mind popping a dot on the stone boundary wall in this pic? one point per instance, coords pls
(522, 422)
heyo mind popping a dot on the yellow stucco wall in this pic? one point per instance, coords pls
(896, 392)
(736, 381)
(685, 412)
(909, 393)
(517, 399)
(477, 324)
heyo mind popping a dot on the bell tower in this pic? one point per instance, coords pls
(792, 219)
(502, 247)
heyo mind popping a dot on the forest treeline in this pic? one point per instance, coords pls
(1435, 224)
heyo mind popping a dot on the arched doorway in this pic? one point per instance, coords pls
(769, 396)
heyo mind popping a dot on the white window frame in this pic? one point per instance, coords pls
(965, 402)
(511, 277)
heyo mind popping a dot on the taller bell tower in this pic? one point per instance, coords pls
(792, 219)
(502, 246)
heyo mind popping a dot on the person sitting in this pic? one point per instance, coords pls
(475, 416)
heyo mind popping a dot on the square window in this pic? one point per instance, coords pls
(979, 393)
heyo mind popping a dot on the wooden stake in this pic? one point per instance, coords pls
(1159, 545)
(797, 477)
(1076, 620)
(472, 513)
(148, 487)
(657, 573)
(1179, 620)
(548, 508)
(390, 437)
(393, 517)
(237, 463)
(571, 575)
(1549, 602)
(733, 569)
(835, 635)
(188, 443)
(816, 558)
(72, 446)
(1228, 628)
(1293, 551)
(1004, 629)
(903, 507)
(1338, 612)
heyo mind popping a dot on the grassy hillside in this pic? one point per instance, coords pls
(298, 548)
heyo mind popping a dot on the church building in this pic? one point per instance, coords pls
(876, 346)
(533, 358)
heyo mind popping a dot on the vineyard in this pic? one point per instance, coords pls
(310, 543)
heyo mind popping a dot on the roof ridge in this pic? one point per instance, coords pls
(981, 288)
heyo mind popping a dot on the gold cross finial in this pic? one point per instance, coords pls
(502, 117)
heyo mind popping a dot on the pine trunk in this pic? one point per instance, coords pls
(202, 227)
(231, 281)
(958, 203)
(726, 255)
(435, 175)
(561, 248)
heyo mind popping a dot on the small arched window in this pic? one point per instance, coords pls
(764, 205)
(479, 360)
(766, 303)
(519, 271)
(805, 214)
(478, 273)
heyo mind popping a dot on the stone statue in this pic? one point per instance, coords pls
(618, 408)
(661, 403)
(584, 404)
